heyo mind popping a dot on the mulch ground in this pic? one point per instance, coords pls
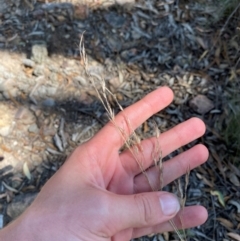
(48, 106)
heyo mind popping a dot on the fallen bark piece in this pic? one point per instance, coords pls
(201, 104)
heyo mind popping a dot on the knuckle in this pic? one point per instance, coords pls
(124, 124)
(146, 209)
(147, 105)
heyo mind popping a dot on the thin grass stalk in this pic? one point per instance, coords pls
(157, 157)
(132, 142)
(176, 230)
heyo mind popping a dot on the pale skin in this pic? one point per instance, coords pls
(101, 195)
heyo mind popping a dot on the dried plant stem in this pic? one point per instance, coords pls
(132, 142)
(176, 230)
(229, 18)
(157, 157)
(183, 197)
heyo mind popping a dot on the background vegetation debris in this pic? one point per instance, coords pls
(48, 106)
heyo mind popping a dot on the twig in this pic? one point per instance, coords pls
(228, 19)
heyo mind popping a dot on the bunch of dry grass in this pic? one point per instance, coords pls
(133, 142)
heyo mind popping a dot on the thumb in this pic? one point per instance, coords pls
(145, 209)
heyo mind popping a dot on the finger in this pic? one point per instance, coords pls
(168, 141)
(187, 218)
(172, 169)
(129, 119)
(143, 210)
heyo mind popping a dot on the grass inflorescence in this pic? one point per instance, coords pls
(133, 141)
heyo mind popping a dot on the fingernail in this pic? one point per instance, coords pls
(169, 203)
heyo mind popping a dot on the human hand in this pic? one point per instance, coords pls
(101, 195)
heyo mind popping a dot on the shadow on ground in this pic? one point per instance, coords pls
(152, 37)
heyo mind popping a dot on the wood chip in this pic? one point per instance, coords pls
(220, 197)
(234, 180)
(9, 188)
(235, 236)
(3, 195)
(26, 171)
(236, 204)
(201, 104)
(225, 222)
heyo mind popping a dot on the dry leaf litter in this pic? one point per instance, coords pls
(48, 107)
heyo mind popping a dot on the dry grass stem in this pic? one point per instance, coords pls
(132, 141)
(176, 230)
(187, 177)
(157, 156)
(182, 190)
